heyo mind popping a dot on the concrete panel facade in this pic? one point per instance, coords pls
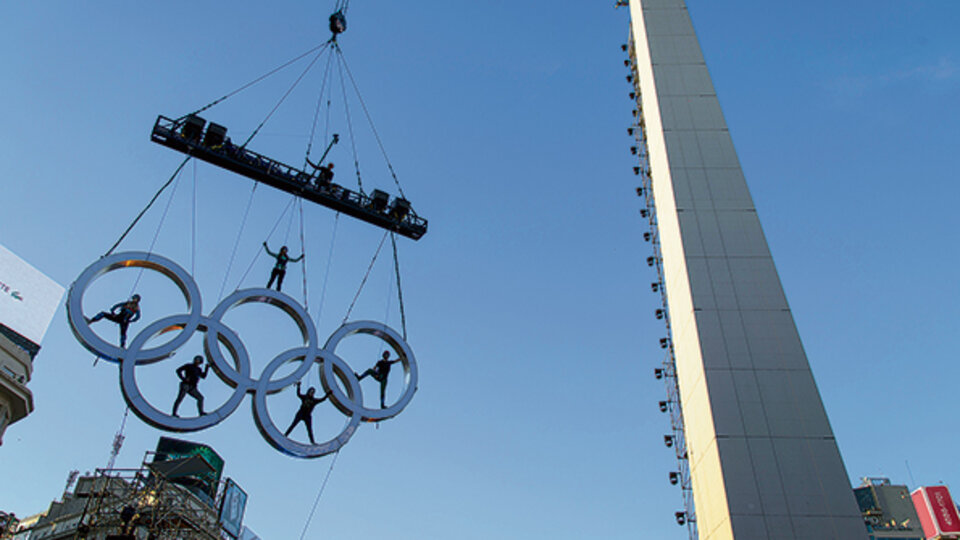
(764, 463)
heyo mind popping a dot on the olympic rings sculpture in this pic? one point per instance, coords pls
(336, 376)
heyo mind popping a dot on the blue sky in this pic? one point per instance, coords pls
(528, 302)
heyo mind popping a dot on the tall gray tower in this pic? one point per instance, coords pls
(761, 455)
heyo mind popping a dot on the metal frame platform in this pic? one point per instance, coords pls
(188, 135)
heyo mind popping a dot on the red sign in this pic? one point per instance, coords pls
(936, 510)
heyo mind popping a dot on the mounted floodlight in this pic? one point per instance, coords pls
(639, 192)
(633, 150)
(646, 237)
(658, 373)
(664, 342)
(668, 440)
(633, 95)
(663, 406)
(655, 286)
(659, 313)
(629, 131)
(681, 518)
(644, 212)
(636, 171)
(674, 478)
(650, 261)
(629, 78)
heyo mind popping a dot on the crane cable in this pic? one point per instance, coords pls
(283, 98)
(255, 81)
(316, 501)
(396, 267)
(373, 127)
(365, 276)
(346, 107)
(236, 244)
(149, 204)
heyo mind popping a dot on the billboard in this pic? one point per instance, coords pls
(202, 484)
(28, 298)
(232, 506)
(936, 510)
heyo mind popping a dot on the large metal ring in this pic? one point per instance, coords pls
(272, 434)
(274, 298)
(161, 420)
(346, 403)
(97, 345)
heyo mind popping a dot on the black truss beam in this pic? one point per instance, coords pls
(187, 135)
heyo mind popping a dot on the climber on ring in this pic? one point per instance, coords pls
(123, 314)
(305, 414)
(380, 372)
(280, 268)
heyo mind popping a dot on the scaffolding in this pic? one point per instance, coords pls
(133, 504)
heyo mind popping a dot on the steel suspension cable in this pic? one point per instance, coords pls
(303, 252)
(275, 225)
(236, 244)
(285, 95)
(319, 494)
(396, 267)
(316, 112)
(149, 204)
(193, 225)
(365, 276)
(326, 273)
(346, 106)
(373, 127)
(255, 81)
(156, 234)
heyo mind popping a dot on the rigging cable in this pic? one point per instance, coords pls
(275, 225)
(326, 274)
(284, 97)
(319, 493)
(396, 267)
(253, 82)
(236, 244)
(193, 226)
(149, 204)
(303, 252)
(316, 112)
(163, 218)
(365, 276)
(346, 106)
(376, 135)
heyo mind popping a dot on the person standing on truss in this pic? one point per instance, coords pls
(280, 268)
(190, 375)
(123, 314)
(380, 372)
(305, 414)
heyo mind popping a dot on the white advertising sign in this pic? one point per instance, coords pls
(28, 298)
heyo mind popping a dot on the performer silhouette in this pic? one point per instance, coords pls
(190, 374)
(305, 414)
(380, 372)
(123, 314)
(280, 268)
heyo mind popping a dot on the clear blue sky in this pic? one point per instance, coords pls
(528, 302)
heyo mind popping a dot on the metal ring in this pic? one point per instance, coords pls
(274, 298)
(271, 433)
(347, 404)
(161, 420)
(97, 345)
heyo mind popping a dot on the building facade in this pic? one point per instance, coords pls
(28, 300)
(888, 510)
(762, 459)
